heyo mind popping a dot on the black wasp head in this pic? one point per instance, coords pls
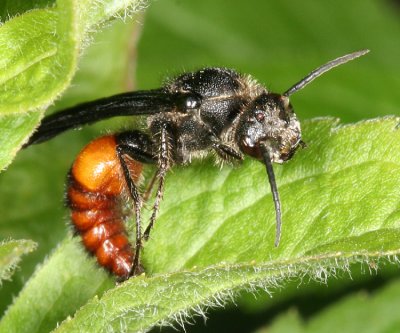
(268, 129)
(269, 123)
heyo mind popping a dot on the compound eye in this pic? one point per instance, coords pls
(260, 116)
(192, 102)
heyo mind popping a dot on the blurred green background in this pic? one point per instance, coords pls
(276, 42)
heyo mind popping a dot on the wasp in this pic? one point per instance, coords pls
(213, 109)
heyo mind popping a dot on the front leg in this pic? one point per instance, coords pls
(227, 153)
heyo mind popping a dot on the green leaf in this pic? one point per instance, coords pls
(42, 303)
(38, 59)
(13, 131)
(335, 195)
(218, 233)
(40, 50)
(10, 255)
(173, 299)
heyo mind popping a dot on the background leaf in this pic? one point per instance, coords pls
(278, 43)
(10, 8)
(10, 255)
(380, 307)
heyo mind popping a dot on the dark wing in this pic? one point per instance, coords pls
(127, 104)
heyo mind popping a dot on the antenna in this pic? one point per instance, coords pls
(321, 70)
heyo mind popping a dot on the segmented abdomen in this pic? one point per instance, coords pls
(96, 186)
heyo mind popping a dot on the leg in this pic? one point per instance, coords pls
(164, 161)
(137, 146)
(137, 203)
(225, 152)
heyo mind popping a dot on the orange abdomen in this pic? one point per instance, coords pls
(96, 187)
